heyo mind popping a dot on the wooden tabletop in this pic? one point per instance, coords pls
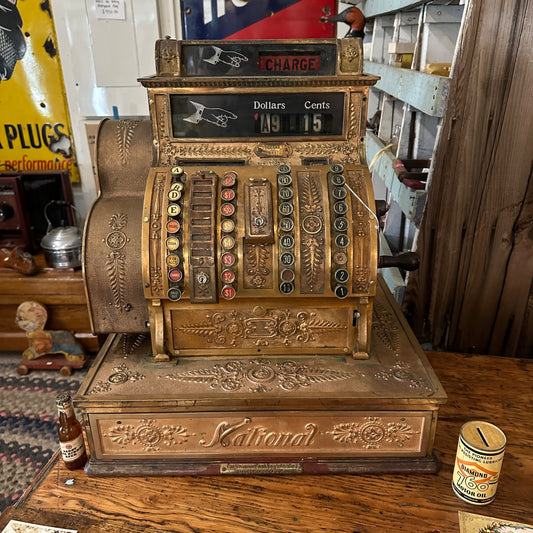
(495, 389)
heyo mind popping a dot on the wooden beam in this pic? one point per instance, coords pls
(474, 289)
(411, 201)
(426, 92)
(374, 8)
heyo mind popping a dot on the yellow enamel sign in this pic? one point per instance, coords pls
(35, 131)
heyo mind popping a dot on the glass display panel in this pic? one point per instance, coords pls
(251, 59)
(213, 116)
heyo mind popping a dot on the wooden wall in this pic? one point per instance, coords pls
(474, 290)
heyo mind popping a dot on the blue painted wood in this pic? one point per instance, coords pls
(425, 92)
(373, 8)
(411, 201)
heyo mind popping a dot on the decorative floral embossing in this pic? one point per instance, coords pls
(311, 195)
(167, 153)
(116, 271)
(156, 277)
(312, 244)
(227, 377)
(118, 221)
(399, 432)
(124, 132)
(349, 149)
(163, 116)
(322, 149)
(373, 432)
(361, 222)
(312, 224)
(116, 260)
(346, 433)
(293, 375)
(260, 375)
(116, 240)
(386, 328)
(211, 328)
(313, 255)
(277, 325)
(351, 54)
(148, 435)
(212, 150)
(361, 278)
(168, 54)
(257, 257)
(120, 374)
(401, 371)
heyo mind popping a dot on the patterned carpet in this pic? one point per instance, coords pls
(28, 422)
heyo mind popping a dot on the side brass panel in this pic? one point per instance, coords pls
(112, 241)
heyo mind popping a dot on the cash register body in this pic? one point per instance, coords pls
(232, 257)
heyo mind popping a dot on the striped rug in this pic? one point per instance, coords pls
(28, 422)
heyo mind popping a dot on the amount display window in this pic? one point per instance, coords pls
(212, 116)
(293, 123)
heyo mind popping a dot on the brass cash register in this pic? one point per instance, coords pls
(232, 257)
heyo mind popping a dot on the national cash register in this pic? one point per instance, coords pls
(232, 257)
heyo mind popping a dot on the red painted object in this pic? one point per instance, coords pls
(414, 184)
(50, 362)
(260, 19)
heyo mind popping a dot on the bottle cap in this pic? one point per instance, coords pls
(63, 399)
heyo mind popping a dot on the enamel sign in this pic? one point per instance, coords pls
(35, 131)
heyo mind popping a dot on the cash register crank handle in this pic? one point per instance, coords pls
(406, 261)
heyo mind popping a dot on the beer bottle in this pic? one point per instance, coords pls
(70, 434)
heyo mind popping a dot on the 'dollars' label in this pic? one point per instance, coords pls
(72, 449)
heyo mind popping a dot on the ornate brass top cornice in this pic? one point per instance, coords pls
(261, 83)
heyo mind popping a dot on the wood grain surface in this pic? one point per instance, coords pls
(60, 291)
(479, 387)
(474, 288)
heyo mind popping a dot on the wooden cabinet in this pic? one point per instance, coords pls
(61, 291)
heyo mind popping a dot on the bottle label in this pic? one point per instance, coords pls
(72, 449)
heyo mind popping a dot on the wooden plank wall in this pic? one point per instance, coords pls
(474, 290)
